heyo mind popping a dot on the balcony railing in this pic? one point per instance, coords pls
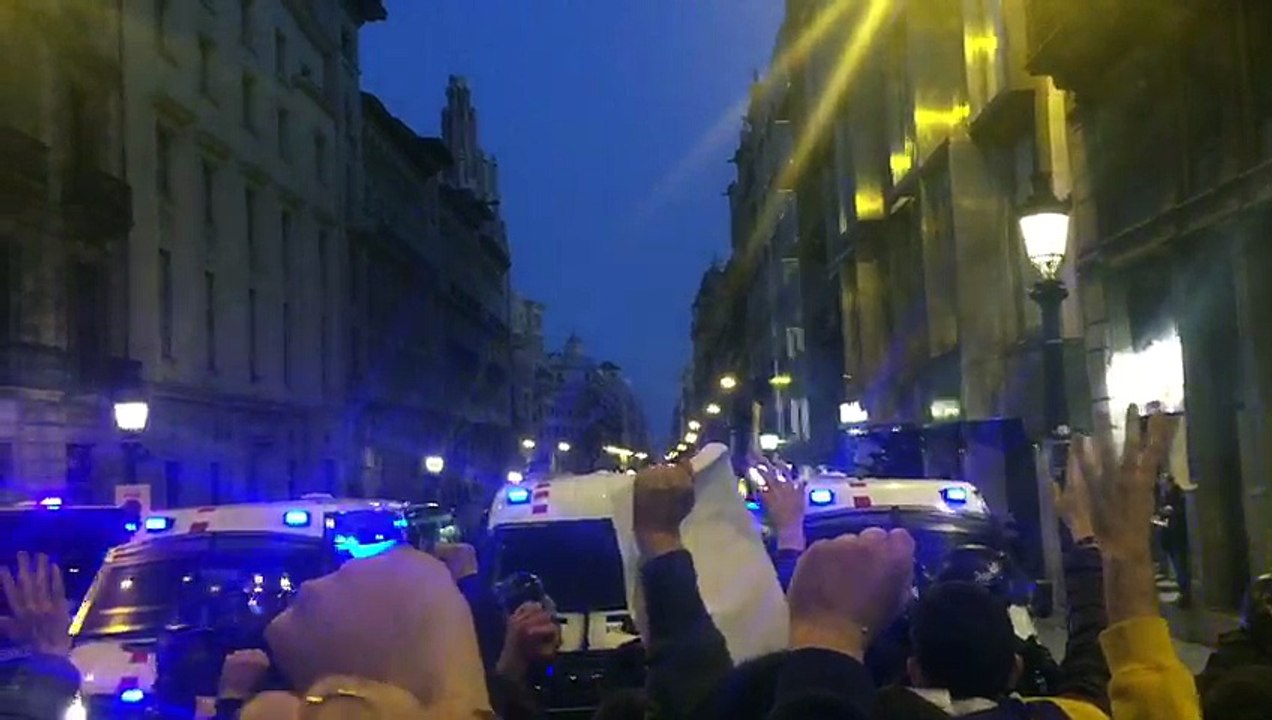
(24, 174)
(98, 204)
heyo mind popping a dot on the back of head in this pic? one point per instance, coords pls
(627, 704)
(963, 641)
(1243, 693)
(750, 690)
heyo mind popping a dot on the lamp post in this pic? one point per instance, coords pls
(1044, 226)
(132, 416)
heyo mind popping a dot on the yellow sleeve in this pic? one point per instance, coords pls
(1149, 681)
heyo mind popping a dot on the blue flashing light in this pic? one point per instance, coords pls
(518, 496)
(821, 497)
(157, 524)
(131, 527)
(132, 696)
(359, 551)
(752, 505)
(296, 518)
(954, 496)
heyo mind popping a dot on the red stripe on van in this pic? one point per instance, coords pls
(539, 510)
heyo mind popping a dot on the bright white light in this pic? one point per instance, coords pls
(1154, 374)
(691, 437)
(76, 710)
(563, 446)
(434, 464)
(713, 409)
(642, 456)
(1046, 237)
(515, 478)
(694, 425)
(132, 416)
(769, 442)
(728, 382)
(527, 444)
(946, 409)
(852, 413)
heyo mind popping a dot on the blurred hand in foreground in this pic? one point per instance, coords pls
(846, 589)
(1073, 498)
(460, 559)
(41, 618)
(241, 673)
(662, 499)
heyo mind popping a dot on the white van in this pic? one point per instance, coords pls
(182, 557)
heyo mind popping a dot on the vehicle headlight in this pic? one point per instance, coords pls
(77, 710)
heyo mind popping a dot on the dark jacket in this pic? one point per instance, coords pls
(687, 654)
(1236, 649)
(823, 685)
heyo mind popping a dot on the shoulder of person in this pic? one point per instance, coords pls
(1058, 708)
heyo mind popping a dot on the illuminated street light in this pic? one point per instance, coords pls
(1044, 226)
(527, 444)
(563, 446)
(691, 437)
(713, 409)
(642, 456)
(781, 381)
(852, 413)
(728, 383)
(434, 464)
(682, 447)
(132, 416)
(694, 425)
(515, 477)
(769, 442)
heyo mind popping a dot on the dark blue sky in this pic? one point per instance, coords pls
(613, 121)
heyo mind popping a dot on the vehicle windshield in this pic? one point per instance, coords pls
(176, 581)
(75, 538)
(578, 562)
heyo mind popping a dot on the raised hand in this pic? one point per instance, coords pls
(532, 636)
(783, 497)
(460, 559)
(662, 499)
(846, 589)
(1073, 499)
(41, 617)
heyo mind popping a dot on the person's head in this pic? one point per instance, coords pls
(963, 642)
(1256, 612)
(1244, 693)
(626, 704)
(751, 688)
(980, 565)
(396, 619)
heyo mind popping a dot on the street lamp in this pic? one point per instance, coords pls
(728, 383)
(527, 444)
(434, 464)
(769, 442)
(642, 456)
(694, 425)
(132, 416)
(515, 477)
(781, 381)
(563, 447)
(1044, 226)
(713, 409)
(691, 438)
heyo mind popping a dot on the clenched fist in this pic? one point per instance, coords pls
(847, 588)
(662, 499)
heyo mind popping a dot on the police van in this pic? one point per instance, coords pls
(209, 566)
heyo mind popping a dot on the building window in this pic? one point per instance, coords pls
(209, 319)
(209, 194)
(280, 54)
(252, 367)
(287, 341)
(285, 243)
(206, 63)
(161, 26)
(284, 133)
(163, 162)
(320, 157)
(249, 102)
(165, 303)
(249, 214)
(245, 22)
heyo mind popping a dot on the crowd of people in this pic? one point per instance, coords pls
(410, 635)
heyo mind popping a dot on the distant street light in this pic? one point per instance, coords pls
(694, 425)
(642, 456)
(434, 464)
(563, 446)
(527, 444)
(681, 447)
(781, 381)
(713, 409)
(769, 442)
(728, 383)
(691, 437)
(515, 477)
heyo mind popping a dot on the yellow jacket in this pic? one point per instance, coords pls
(1149, 681)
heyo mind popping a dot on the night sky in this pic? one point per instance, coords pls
(613, 121)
